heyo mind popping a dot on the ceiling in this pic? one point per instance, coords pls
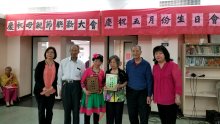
(29, 6)
(42, 6)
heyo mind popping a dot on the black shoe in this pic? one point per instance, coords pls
(179, 113)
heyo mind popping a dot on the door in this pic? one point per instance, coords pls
(121, 46)
(40, 44)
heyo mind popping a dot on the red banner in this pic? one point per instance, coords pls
(54, 24)
(162, 21)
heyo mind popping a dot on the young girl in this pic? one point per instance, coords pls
(93, 103)
(115, 99)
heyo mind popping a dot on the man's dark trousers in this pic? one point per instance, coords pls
(71, 95)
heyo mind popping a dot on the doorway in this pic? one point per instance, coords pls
(40, 44)
(121, 46)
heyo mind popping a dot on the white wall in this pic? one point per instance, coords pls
(173, 45)
(59, 44)
(99, 45)
(19, 58)
(25, 65)
(3, 47)
(13, 57)
(13, 54)
(146, 45)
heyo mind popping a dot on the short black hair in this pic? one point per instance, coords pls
(97, 56)
(51, 48)
(164, 50)
(117, 59)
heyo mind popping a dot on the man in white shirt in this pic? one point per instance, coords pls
(69, 76)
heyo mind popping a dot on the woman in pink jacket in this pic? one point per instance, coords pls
(167, 85)
(92, 103)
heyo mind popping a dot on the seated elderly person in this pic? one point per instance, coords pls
(9, 85)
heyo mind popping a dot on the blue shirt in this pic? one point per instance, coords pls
(139, 75)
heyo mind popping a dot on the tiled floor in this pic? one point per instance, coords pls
(25, 112)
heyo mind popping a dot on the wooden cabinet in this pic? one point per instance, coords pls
(201, 75)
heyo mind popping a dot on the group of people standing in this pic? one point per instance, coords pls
(139, 81)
